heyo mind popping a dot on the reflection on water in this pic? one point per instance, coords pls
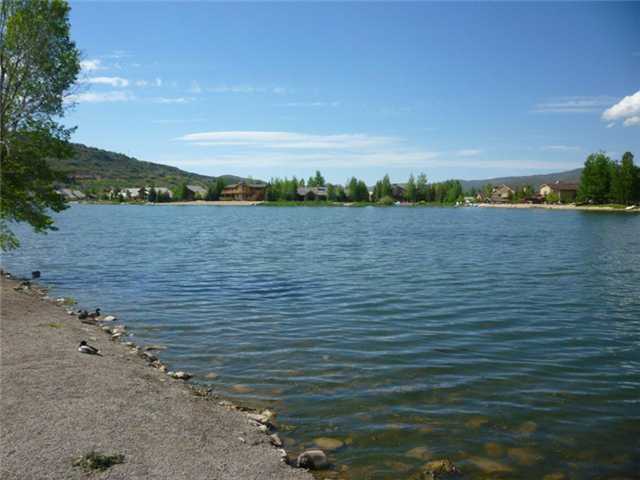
(507, 341)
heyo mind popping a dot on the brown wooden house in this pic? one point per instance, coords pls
(244, 191)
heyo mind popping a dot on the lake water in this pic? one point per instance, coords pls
(505, 340)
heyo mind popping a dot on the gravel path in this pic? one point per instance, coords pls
(57, 404)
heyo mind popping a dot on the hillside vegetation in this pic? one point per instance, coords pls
(95, 169)
(535, 181)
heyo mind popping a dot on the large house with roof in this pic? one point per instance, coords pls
(244, 191)
(566, 191)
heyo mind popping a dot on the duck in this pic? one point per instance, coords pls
(84, 347)
(35, 274)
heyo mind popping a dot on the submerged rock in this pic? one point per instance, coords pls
(211, 376)
(527, 428)
(421, 453)
(524, 456)
(242, 389)
(328, 443)
(439, 467)
(150, 357)
(494, 449)
(490, 466)
(313, 460)
(154, 347)
(180, 375)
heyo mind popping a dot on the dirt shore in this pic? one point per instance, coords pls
(57, 404)
(590, 208)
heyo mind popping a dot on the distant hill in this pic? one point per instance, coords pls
(534, 180)
(93, 168)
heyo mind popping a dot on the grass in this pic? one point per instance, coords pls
(54, 325)
(95, 461)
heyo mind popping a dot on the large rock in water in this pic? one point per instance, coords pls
(313, 460)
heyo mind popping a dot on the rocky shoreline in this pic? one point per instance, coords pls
(59, 405)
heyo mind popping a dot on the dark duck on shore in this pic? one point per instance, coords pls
(84, 347)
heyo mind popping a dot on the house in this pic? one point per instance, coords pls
(162, 191)
(502, 194)
(312, 193)
(195, 192)
(566, 191)
(398, 191)
(244, 191)
(130, 194)
(71, 195)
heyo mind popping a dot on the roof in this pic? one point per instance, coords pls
(562, 186)
(197, 189)
(318, 191)
(251, 185)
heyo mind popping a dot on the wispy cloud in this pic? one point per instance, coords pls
(468, 152)
(173, 100)
(333, 104)
(627, 110)
(247, 89)
(100, 97)
(573, 104)
(92, 65)
(560, 148)
(286, 140)
(111, 81)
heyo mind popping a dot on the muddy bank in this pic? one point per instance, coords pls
(59, 405)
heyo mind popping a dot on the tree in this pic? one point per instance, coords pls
(38, 65)
(626, 180)
(410, 193)
(182, 192)
(152, 196)
(595, 182)
(422, 189)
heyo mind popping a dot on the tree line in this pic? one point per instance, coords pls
(606, 181)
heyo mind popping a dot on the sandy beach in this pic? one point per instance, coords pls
(58, 404)
(590, 208)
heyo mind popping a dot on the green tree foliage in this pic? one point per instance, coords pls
(422, 189)
(595, 182)
(214, 190)
(357, 191)
(38, 65)
(316, 181)
(152, 195)
(625, 181)
(411, 191)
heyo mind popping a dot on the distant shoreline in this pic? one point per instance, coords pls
(589, 208)
(248, 203)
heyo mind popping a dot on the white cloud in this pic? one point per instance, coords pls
(627, 110)
(560, 148)
(91, 65)
(173, 99)
(246, 89)
(111, 81)
(631, 121)
(468, 152)
(310, 104)
(611, 125)
(141, 83)
(286, 140)
(94, 97)
(573, 105)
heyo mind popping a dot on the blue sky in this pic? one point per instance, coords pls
(455, 90)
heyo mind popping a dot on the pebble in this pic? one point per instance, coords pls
(258, 417)
(275, 440)
(180, 375)
(313, 460)
(149, 356)
(106, 329)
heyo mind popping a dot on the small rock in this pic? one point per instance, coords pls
(150, 357)
(490, 466)
(313, 460)
(130, 344)
(242, 440)
(163, 368)
(258, 417)
(180, 375)
(116, 335)
(154, 347)
(269, 415)
(241, 388)
(211, 376)
(439, 467)
(421, 453)
(106, 329)
(109, 318)
(275, 440)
